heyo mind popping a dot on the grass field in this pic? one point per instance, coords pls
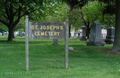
(47, 60)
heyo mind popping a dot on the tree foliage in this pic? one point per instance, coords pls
(12, 11)
(53, 12)
(89, 13)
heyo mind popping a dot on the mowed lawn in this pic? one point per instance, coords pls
(47, 60)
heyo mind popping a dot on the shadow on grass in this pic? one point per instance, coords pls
(23, 42)
(3, 41)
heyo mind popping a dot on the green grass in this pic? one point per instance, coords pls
(47, 60)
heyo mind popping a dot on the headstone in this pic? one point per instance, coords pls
(110, 34)
(20, 33)
(95, 38)
(70, 48)
(104, 33)
(83, 37)
(16, 33)
(0, 34)
(55, 42)
(74, 34)
(78, 35)
(80, 32)
(23, 33)
(7, 32)
(3, 33)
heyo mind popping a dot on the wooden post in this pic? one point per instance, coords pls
(29, 31)
(26, 45)
(66, 43)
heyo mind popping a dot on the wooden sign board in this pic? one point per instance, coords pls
(41, 30)
(46, 30)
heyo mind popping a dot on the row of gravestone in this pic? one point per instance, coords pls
(79, 34)
(3, 33)
(95, 38)
(16, 33)
(20, 33)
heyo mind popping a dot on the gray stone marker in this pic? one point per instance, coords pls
(74, 34)
(23, 33)
(7, 32)
(78, 35)
(70, 48)
(3, 33)
(110, 34)
(0, 34)
(55, 42)
(83, 37)
(95, 38)
(20, 33)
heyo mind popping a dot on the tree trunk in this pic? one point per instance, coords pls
(10, 36)
(13, 36)
(88, 32)
(88, 29)
(116, 44)
(69, 30)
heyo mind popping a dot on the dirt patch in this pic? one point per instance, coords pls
(101, 50)
(77, 50)
(113, 53)
(108, 52)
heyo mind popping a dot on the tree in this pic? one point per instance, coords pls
(12, 11)
(116, 44)
(89, 13)
(57, 13)
(113, 7)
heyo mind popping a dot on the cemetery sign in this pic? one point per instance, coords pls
(46, 30)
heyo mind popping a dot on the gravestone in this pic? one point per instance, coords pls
(20, 33)
(7, 32)
(70, 48)
(55, 42)
(3, 33)
(95, 38)
(74, 34)
(16, 33)
(0, 34)
(23, 33)
(83, 37)
(78, 35)
(110, 34)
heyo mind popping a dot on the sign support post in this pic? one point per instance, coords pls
(66, 43)
(26, 43)
(45, 30)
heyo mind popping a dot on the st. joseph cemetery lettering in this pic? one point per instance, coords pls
(47, 30)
